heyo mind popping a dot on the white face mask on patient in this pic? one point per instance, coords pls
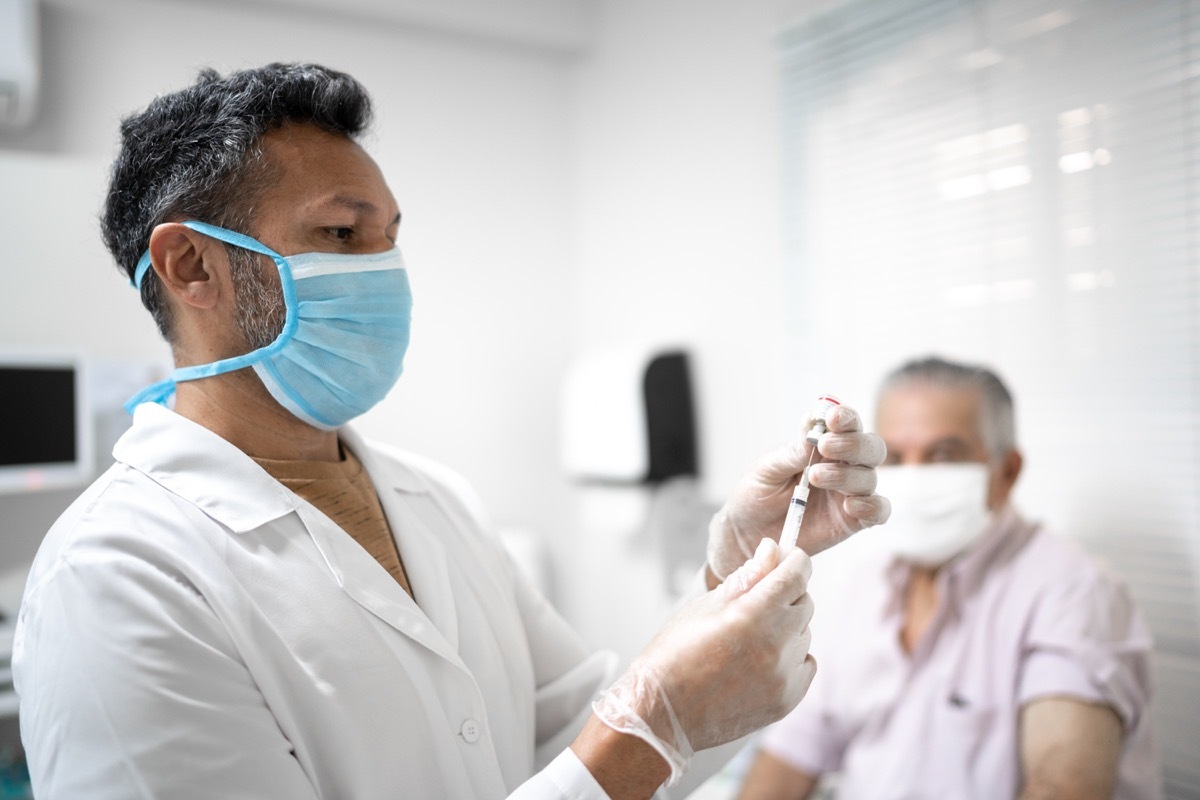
(938, 510)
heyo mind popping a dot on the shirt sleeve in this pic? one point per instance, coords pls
(808, 738)
(106, 712)
(1087, 640)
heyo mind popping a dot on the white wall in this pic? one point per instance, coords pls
(553, 202)
(677, 165)
(472, 134)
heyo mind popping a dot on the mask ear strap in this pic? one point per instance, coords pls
(229, 237)
(160, 392)
(232, 237)
(143, 266)
(154, 393)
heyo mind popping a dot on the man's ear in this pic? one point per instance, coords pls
(190, 265)
(1005, 477)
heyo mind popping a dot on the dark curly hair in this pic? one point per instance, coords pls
(196, 153)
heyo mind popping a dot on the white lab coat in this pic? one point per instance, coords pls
(191, 628)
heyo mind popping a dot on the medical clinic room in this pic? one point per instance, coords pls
(583, 399)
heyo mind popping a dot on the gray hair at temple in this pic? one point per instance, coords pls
(997, 417)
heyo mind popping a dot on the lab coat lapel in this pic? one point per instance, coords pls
(230, 487)
(369, 585)
(404, 495)
(424, 558)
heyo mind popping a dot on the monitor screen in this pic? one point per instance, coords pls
(44, 438)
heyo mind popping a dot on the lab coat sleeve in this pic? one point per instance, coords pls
(564, 703)
(567, 673)
(567, 676)
(565, 778)
(106, 711)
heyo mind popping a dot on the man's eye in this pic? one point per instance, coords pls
(341, 234)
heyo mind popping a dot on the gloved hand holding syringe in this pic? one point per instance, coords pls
(799, 502)
(830, 466)
(735, 658)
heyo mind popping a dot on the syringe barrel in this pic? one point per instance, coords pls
(795, 516)
(799, 501)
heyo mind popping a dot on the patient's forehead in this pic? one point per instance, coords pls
(918, 413)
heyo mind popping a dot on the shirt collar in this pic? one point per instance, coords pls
(199, 466)
(1005, 535)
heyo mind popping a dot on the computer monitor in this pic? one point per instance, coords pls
(45, 422)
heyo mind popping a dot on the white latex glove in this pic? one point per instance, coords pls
(728, 662)
(842, 500)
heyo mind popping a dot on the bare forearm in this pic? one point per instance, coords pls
(625, 767)
(1069, 750)
(1045, 789)
(771, 779)
(1042, 790)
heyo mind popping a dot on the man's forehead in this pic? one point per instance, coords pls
(928, 393)
(318, 170)
(343, 199)
(296, 147)
(296, 134)
(945, 407)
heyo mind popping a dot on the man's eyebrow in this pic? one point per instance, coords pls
(357, 204)
(948, 441)
(349, 201)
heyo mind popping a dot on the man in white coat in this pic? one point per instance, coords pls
(253, 602)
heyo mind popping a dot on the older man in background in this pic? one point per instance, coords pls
(975, 656)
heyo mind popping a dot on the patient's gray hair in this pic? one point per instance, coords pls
(997, 418)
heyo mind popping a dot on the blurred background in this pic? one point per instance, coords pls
(796, 194)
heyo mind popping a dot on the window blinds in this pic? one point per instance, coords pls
(1015, 182)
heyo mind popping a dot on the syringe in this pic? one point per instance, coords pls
(799, 501)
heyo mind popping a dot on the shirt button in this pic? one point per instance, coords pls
(470, 731)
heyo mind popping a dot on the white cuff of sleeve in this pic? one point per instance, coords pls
(564, 778)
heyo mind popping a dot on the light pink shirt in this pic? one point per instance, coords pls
(1020, 616)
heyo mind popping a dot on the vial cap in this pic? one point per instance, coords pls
(824, 403)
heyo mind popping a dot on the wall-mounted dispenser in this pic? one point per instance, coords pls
(628, 417)
(629, 440)
(20, 67)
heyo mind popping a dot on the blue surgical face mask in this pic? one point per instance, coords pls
(343, 340)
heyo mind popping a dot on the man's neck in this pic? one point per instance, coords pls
(237, 407)
(920, 604)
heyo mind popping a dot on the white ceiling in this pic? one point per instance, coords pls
(560, 25)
